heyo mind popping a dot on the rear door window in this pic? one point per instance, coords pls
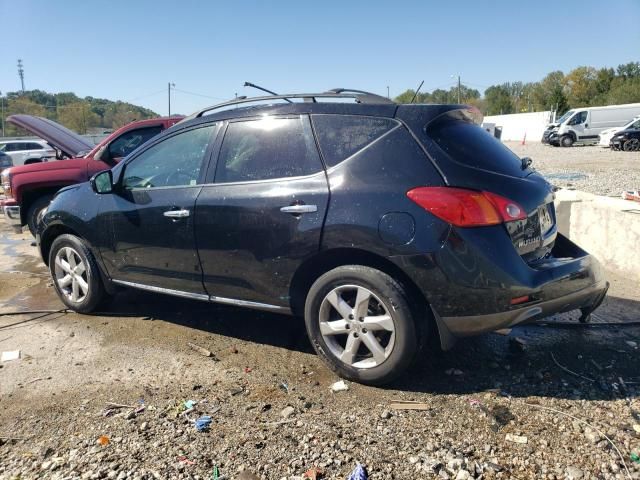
(34, 146)
(470, 145)
(129, 141)
(267, 148)
(342, 136)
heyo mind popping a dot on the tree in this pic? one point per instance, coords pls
(548, 94)
(581, 86)
(498, 98)
(78, 116)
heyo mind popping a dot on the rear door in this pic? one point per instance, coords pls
(151, 214)
(262, 215)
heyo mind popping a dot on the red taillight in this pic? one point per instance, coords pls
(466, 208)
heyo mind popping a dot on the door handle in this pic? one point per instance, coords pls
(298, 209)
(176, 213)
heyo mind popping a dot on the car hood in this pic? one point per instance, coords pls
(74, 163)
(624, 132)
(68, 142)
(610, 130)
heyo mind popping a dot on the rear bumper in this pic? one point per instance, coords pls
(588, 298)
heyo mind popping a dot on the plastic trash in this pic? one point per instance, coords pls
(314, 473)
(189, 404)
(203, 423)
(103, 440)
(9, 356)
(358, 473)
(635, 458)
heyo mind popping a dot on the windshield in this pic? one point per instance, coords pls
(635, 123)
(565, 117)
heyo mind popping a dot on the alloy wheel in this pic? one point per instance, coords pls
(71, 274)
(357, 326)
(631, 145)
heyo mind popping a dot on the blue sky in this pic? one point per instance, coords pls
(129, 50)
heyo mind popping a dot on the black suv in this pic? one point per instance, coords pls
(380, 223)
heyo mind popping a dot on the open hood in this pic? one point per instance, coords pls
(69, 143)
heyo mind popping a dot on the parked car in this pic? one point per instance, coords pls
(606, 135)
(627, 140)
(5, 161)
(583, 125)
(29, 188)
(381, 224)
(24, 152)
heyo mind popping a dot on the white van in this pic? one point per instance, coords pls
(584, 125)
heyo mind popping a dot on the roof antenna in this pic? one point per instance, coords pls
(416, 94)
(249, 84)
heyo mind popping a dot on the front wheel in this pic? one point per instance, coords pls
(35, 209)
(566, 140)
(631, 145)
(361, 325)
(75, 274)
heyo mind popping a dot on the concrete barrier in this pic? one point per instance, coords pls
(608, 228)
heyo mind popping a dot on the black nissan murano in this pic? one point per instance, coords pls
(381, 224)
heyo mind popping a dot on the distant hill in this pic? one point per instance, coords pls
(82, 115)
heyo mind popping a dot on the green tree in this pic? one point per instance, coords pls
(498, 98)
(78, 116)
(581, 86)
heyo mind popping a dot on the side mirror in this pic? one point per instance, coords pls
(102, 182)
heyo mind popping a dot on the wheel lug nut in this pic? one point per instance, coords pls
(364, 330)
(351, 317)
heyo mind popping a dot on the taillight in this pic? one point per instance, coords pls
(466, 208)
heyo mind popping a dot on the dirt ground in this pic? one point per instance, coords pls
(553, 400)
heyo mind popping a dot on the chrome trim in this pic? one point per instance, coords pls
(204, 297)
(12, 215)
(246, 303)
(168, 291)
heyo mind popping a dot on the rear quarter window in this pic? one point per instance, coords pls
(342, 136)
(470, 145)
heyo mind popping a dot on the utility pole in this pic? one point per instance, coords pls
(388, 92)
(21, 73)
(458, 89)
(2, 104)
(169, 85)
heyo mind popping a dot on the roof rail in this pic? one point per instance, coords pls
(359, 96)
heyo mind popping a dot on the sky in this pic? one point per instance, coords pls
(130, 50)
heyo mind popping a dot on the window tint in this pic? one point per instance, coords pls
(34, 146)
(579, 118)
(470, 145)
(267, 148)
(340, 136)
(129, 141)
(176, 161)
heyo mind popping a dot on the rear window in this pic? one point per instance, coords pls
(341, 136)
(470, 145)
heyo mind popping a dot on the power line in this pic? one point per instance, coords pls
(146, 95)
(197, 94)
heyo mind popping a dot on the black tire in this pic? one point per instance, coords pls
(631, 145)
(95, 292)
(395, 302)
(34, 211)
(566, 141)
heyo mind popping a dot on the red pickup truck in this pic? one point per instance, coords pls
(29, 188)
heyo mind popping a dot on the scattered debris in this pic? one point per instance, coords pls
(185, 460)
(201, 350)
(503, 331)
(631, 343)
(454, 371)
(597, 365)
(119, 405)
(517, 344)
(287, 412)
(636, 428)
(11, 355)
(571, 372)
(408, 405)
(358, 473)
(284, 386)
(189, 404)
(247, 369)
(203, 423)
(34, 380)
(385, 415)
(516, 438)
(633, 195)
(635, 458)
(314, 473)
(339, 386)
(103, 440)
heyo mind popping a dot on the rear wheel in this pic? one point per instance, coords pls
(360, 323)
(33, 214)
(75, 274)
(631, 145)
(566, 140)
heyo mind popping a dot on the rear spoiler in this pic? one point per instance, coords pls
(420, 116)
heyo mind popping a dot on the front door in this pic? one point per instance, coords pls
(151, 214)
(263, 215)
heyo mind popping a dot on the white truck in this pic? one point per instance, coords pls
(584, 125)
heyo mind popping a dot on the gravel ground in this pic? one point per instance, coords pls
(596, 170)
(556, 401)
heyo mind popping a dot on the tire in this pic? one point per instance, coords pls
(388, 314)
(34, 211)
(566, 141)
(84, 283)
(631, 145)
